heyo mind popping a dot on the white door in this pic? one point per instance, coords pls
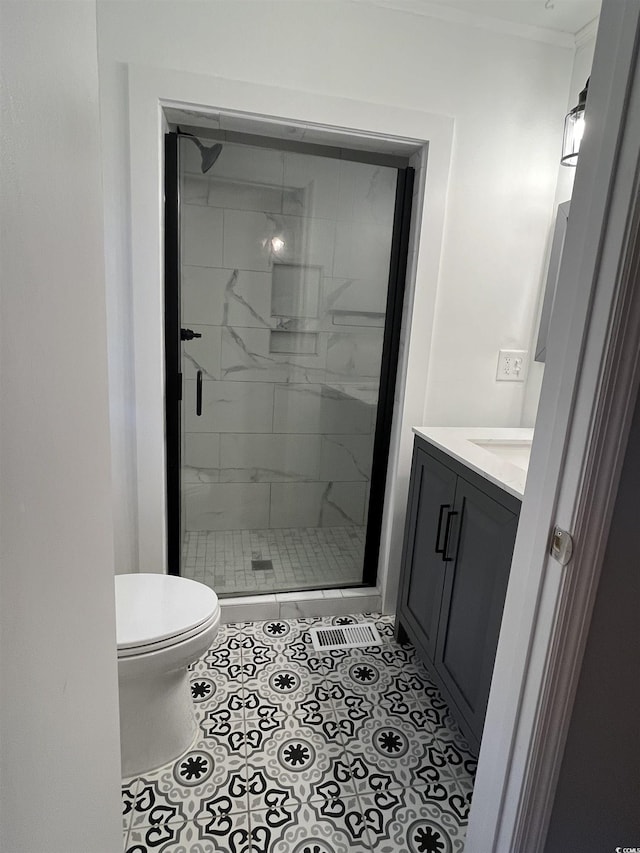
(590, 384)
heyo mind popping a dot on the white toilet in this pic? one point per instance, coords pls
(163, 624)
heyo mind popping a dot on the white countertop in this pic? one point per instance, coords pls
(501, 454)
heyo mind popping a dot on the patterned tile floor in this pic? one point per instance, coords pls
(308, 752)
(302, 558)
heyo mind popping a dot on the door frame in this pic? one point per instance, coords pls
(392, 129)
(591, 381)
(396, 288)
(173, 351)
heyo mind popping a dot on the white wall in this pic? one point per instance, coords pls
(502, 183)
(59, 744)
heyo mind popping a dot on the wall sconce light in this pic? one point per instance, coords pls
(573, 130)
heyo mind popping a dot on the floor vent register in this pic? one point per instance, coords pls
(345, 636)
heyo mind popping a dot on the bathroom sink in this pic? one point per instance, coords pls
(500, 454)
(515, 452)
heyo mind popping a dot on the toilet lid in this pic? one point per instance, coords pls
(154, 608)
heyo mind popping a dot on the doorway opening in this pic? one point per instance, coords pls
(285, 267)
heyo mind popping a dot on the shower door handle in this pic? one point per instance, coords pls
(199, 393)
(189, 334)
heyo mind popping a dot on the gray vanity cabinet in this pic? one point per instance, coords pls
(459, 540)
(432, 492)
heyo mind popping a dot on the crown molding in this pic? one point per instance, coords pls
(587, 33)
(428, 9)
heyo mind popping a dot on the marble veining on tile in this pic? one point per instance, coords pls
(224, 506)
(202, 353)
(321, 409)
(354, 356)
(269, 458)
(246, 357)
(285, 261)
(234, 407)
(232, 295)
(308, 752)
(346, 457)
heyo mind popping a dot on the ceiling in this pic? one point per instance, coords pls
(568, 16)
(564, 16)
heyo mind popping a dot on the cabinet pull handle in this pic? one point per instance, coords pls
(199, 393)
(447, 532)
(440, 550)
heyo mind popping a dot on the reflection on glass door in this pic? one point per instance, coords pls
(284, 274)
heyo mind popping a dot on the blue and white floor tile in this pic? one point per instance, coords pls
(308, 752)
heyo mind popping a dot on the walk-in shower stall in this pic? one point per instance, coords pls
(284, 283)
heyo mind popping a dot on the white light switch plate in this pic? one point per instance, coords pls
(512, 365)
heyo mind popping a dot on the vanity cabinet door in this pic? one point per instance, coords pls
(430, 501)
(475, 587)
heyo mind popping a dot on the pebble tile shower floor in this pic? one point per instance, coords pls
(308, 752)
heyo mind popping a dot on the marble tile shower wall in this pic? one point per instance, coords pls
(285, 260)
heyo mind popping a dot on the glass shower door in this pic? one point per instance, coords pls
(284, 270)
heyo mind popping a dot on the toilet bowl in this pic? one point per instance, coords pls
(163, 624)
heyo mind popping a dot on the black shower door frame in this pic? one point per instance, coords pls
(388, 370)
